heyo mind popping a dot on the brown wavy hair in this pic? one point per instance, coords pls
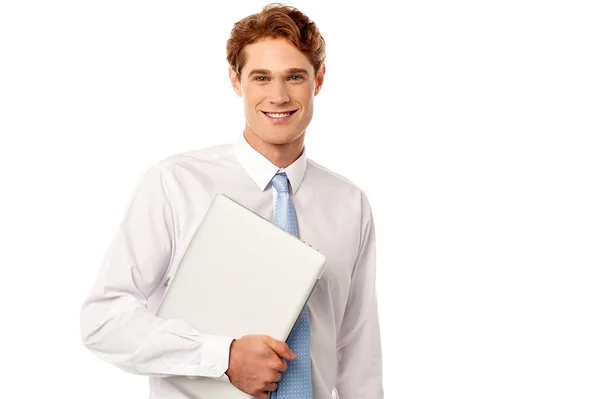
(276, 21)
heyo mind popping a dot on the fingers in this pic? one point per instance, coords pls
(278, 364)
(274, 377)
(271, 384)
(272, 387)
(283, 367)
(281, 348)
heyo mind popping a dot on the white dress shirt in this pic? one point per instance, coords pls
(118, 318)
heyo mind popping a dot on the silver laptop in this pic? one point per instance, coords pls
(240, 275)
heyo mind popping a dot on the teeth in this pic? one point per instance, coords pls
(278, 115)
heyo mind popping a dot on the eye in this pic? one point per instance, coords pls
(297, 78)
(260, 78)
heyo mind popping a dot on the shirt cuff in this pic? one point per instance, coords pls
(215, 356)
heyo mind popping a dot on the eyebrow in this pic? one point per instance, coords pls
(267, 72)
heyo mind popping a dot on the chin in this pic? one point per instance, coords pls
(278, 138)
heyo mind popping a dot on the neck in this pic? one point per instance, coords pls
(281, 155)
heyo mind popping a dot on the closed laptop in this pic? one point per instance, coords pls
(240, 275)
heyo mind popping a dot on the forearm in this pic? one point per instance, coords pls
(121, 331)
(360, 364)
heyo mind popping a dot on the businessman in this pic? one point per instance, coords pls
(276, 60)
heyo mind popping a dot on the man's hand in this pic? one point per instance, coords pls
(256, 363)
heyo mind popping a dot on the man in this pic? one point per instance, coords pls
(277, 66)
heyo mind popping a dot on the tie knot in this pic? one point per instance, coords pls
(280, 183)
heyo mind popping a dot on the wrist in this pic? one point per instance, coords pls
(233, 342)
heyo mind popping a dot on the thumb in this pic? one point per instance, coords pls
(281, 348)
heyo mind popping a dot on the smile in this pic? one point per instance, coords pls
(279, 116)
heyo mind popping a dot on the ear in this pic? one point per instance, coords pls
(319, 78)
(235, 82)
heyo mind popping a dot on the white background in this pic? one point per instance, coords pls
(472, 126)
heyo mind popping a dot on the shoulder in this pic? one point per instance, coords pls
(180, 171)
(336, 181)
(216, 153)
(348, 202)
(194, 160)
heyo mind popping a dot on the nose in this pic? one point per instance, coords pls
(279, 94)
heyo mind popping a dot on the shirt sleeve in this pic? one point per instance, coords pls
(116, 324)
(359, 343)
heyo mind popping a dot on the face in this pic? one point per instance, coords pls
(278, 85)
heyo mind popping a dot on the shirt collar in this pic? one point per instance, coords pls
(261, 170)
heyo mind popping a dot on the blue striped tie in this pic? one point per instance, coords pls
(296, 381)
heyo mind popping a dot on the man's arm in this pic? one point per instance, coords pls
(115, 322)
(359, 343)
